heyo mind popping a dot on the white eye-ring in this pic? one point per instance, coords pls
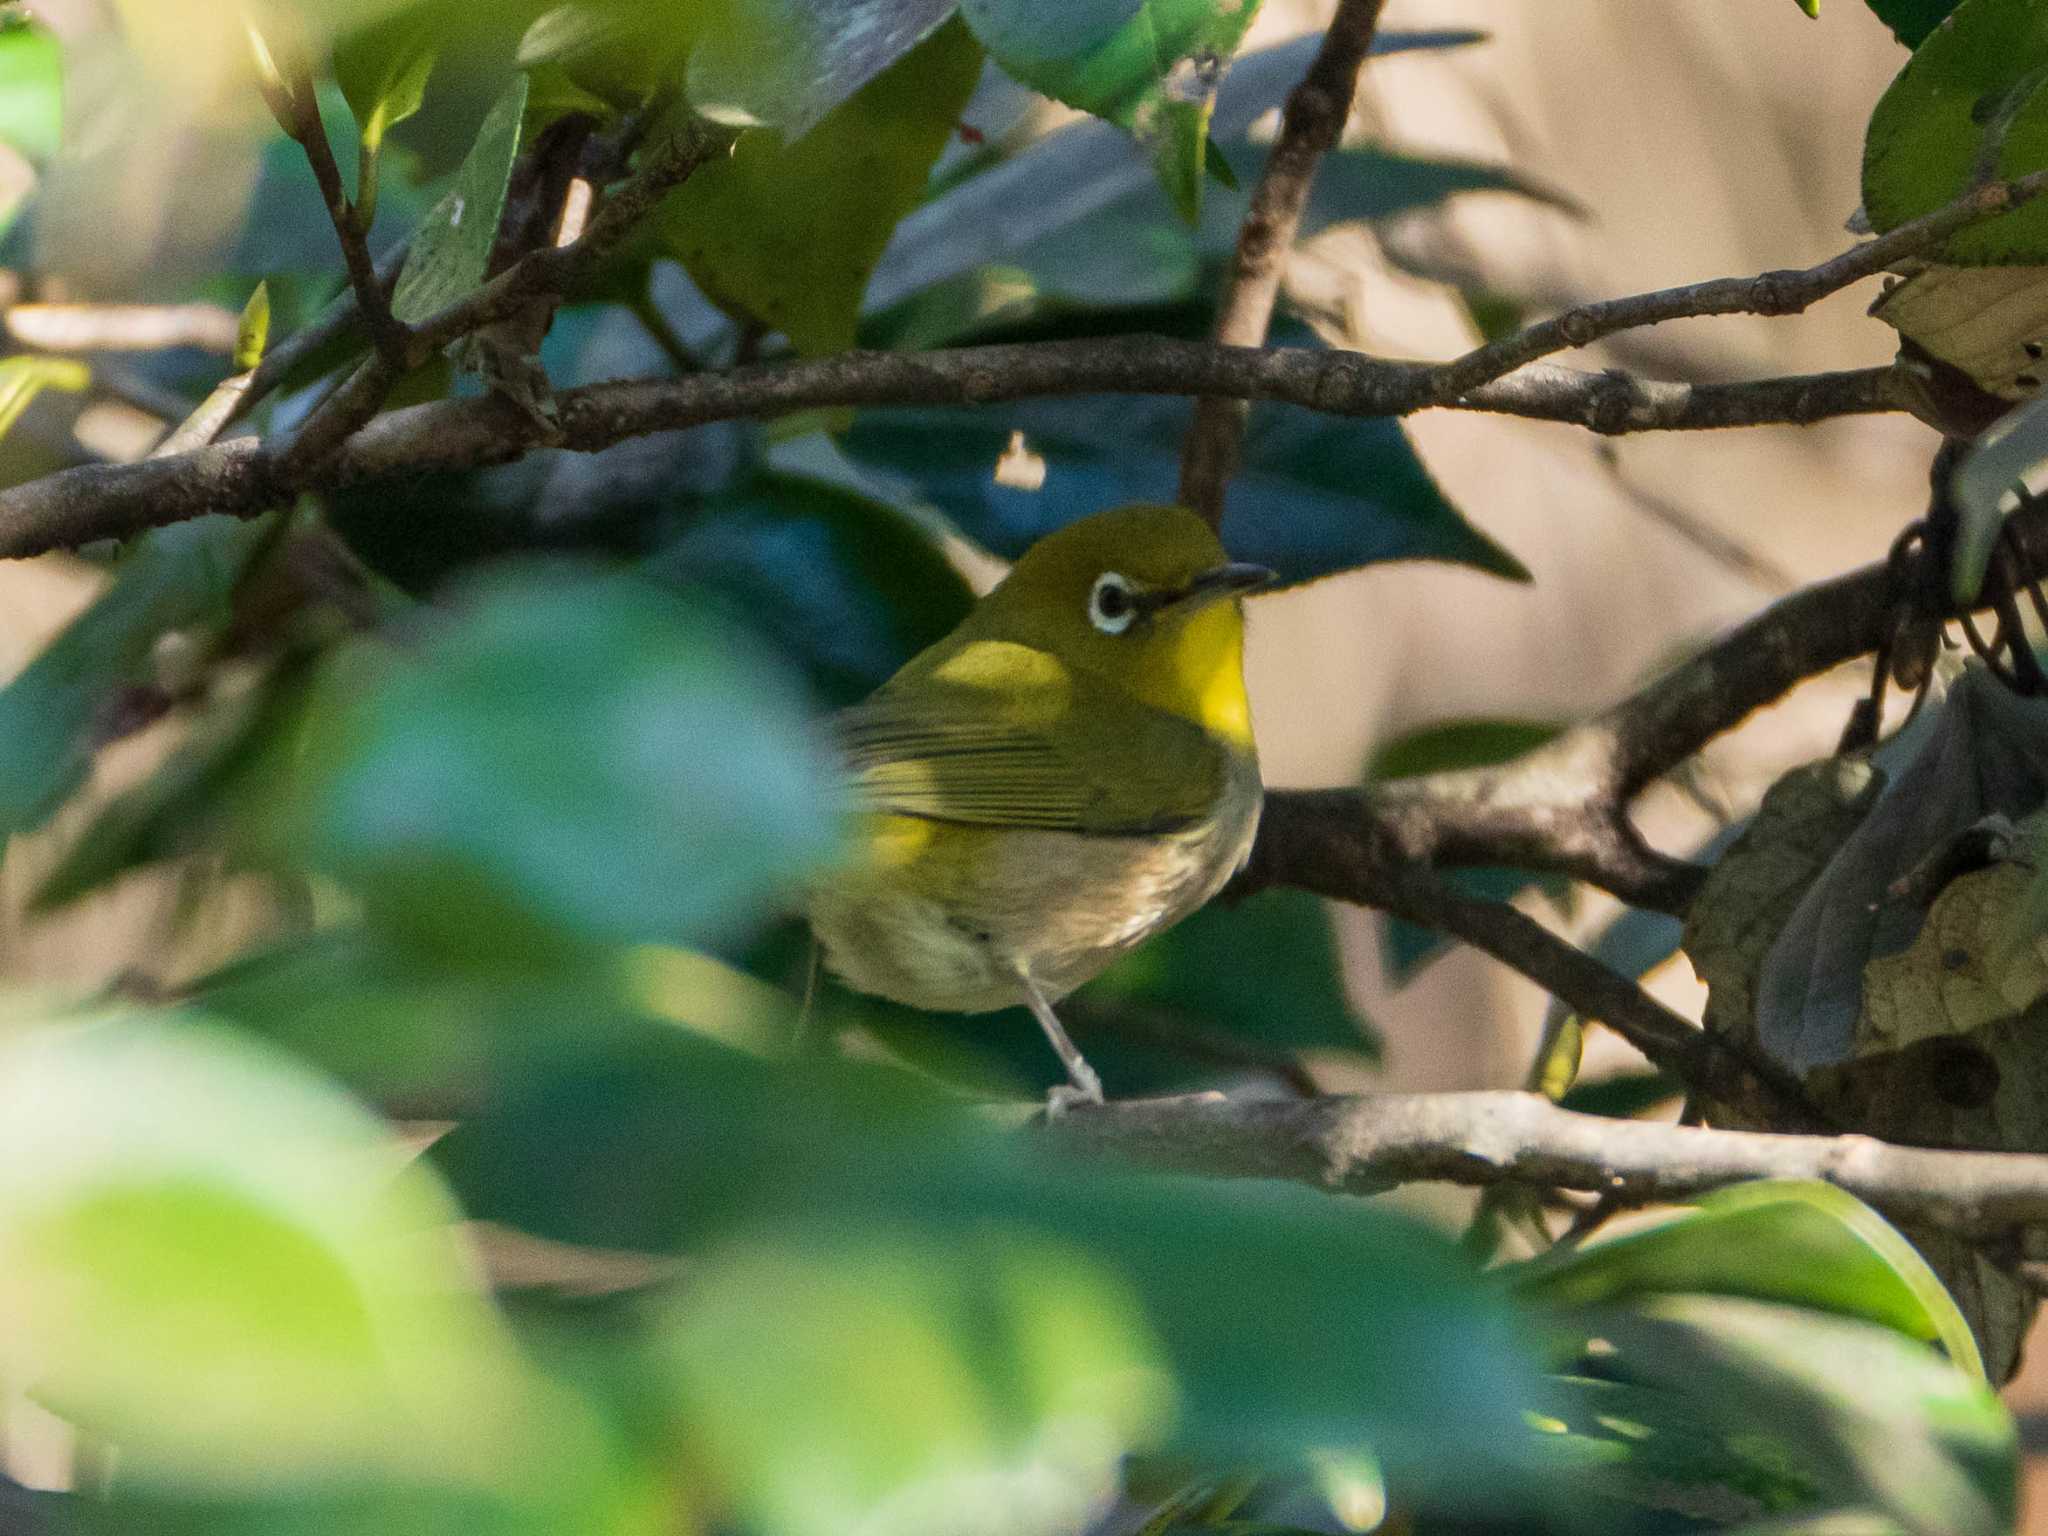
(1111, 604)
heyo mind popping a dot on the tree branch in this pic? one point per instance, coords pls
(1310, 126)
(78, 505)
(1367, 1143)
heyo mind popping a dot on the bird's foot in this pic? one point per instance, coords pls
(1086, 1089)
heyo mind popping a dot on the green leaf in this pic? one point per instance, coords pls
(452, 251)
(899, 1377)
(572, 757)
(228, 1319)
(788, 63)
(1997, 462)
(252, 332)
(25, 376)
(1149, 66)
(846, 586)
(1365, 1329)
(1781, 1240)
(383, 72)
(1458, 744)
(51, 714)
(1316, 495)
(1911, 20)
(1967, 106)
(787, 233)
(31, 91)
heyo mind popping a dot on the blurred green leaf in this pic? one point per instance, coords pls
(1931, 1447)
(573, 757)
(31, 90)
(787, 232)
(1149, 66)
(25, 376)
(231, 1320)
(1365, 1328)
(1967, 106)
(1780, 1240)
(916, 1383)
(53, 712)
(1315, 496)
(452, 251)
(848, 587)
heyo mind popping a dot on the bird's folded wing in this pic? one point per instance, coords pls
(946, 755)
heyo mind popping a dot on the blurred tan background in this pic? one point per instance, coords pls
(1703, 139)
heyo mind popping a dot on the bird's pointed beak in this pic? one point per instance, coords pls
(1233, 580)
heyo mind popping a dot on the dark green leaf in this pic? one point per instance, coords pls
(1967, 105)
(1911, 20)
(1315, 496)
(576, 756)
(1456, 744)
(848, 587)
(788, 233)
(31, 91)
(52, 714)
(452, 250)
(1625, 1096)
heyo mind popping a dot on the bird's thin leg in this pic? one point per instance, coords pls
(1086, 1086)
(810, 1039)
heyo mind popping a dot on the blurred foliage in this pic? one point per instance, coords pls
(483, 1191)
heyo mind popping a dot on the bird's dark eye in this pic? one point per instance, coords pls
(1111, 606)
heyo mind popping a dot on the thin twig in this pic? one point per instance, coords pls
(1366, 1143)
(1310, 126)
(387, 332)
(1784, 292)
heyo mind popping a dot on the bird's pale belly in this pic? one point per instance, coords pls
(943, 915)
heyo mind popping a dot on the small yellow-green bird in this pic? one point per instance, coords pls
(1065, 774)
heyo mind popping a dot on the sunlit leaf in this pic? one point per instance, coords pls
(31, 90)
(1781, 1240)
(24, 376)
(226, 1319)
(1967, 105)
